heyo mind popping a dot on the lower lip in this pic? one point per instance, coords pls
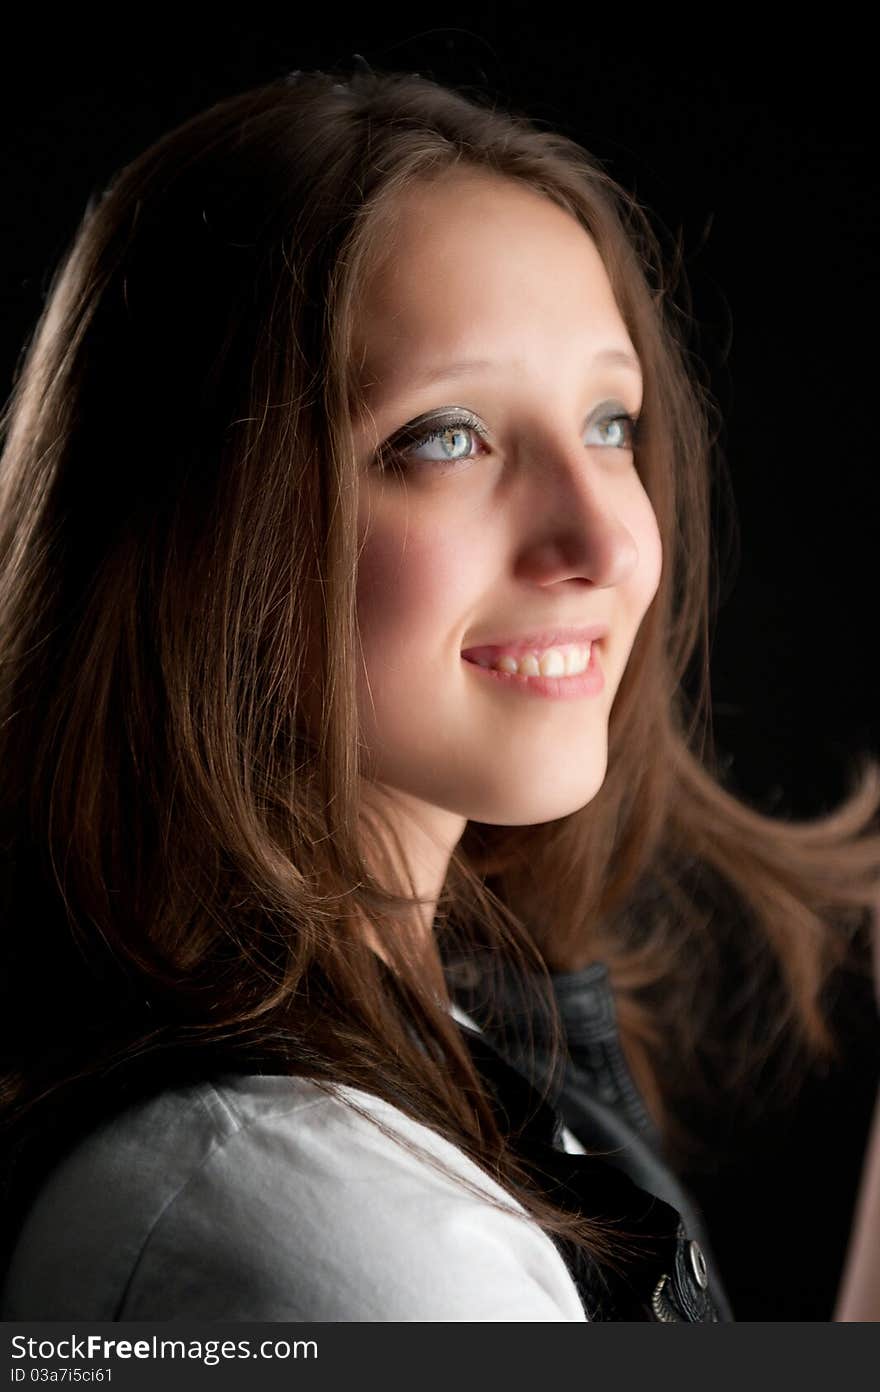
(588, 683)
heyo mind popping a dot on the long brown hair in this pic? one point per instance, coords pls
(188, 863)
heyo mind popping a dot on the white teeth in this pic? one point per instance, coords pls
(577, 659)
(553, 662)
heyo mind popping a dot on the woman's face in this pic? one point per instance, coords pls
(492, 303)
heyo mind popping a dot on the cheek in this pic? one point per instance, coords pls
(412, 588)
(646, 533)
(653, 553)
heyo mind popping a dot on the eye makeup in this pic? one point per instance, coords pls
(398, 451)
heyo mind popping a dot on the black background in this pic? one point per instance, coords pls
(755, 149)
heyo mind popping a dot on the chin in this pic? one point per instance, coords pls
(535, 815)
(531, 806)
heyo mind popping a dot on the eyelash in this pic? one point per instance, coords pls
(465, 421)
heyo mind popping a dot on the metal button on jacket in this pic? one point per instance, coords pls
(597, 1098)
(698, 1263)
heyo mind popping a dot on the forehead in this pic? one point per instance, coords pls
(468, 264)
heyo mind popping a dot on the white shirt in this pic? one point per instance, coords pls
(263, 1198)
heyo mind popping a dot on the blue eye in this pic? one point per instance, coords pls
(449, 437)
(627, 430)
(450, 440)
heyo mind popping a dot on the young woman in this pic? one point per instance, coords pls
(357, 833)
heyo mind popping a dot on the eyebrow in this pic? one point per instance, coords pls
(618, 356)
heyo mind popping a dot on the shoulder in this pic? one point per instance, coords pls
(269, 1198)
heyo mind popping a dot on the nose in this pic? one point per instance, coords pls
(574, 506)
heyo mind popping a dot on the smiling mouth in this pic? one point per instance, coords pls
(537, 674)
(561, 660)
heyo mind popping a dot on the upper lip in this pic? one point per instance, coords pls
(547, 638)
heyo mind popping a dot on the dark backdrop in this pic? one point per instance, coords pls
(755, 152)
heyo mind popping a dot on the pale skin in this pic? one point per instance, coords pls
(543, 522)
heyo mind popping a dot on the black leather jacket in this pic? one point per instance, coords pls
(674, 1277)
